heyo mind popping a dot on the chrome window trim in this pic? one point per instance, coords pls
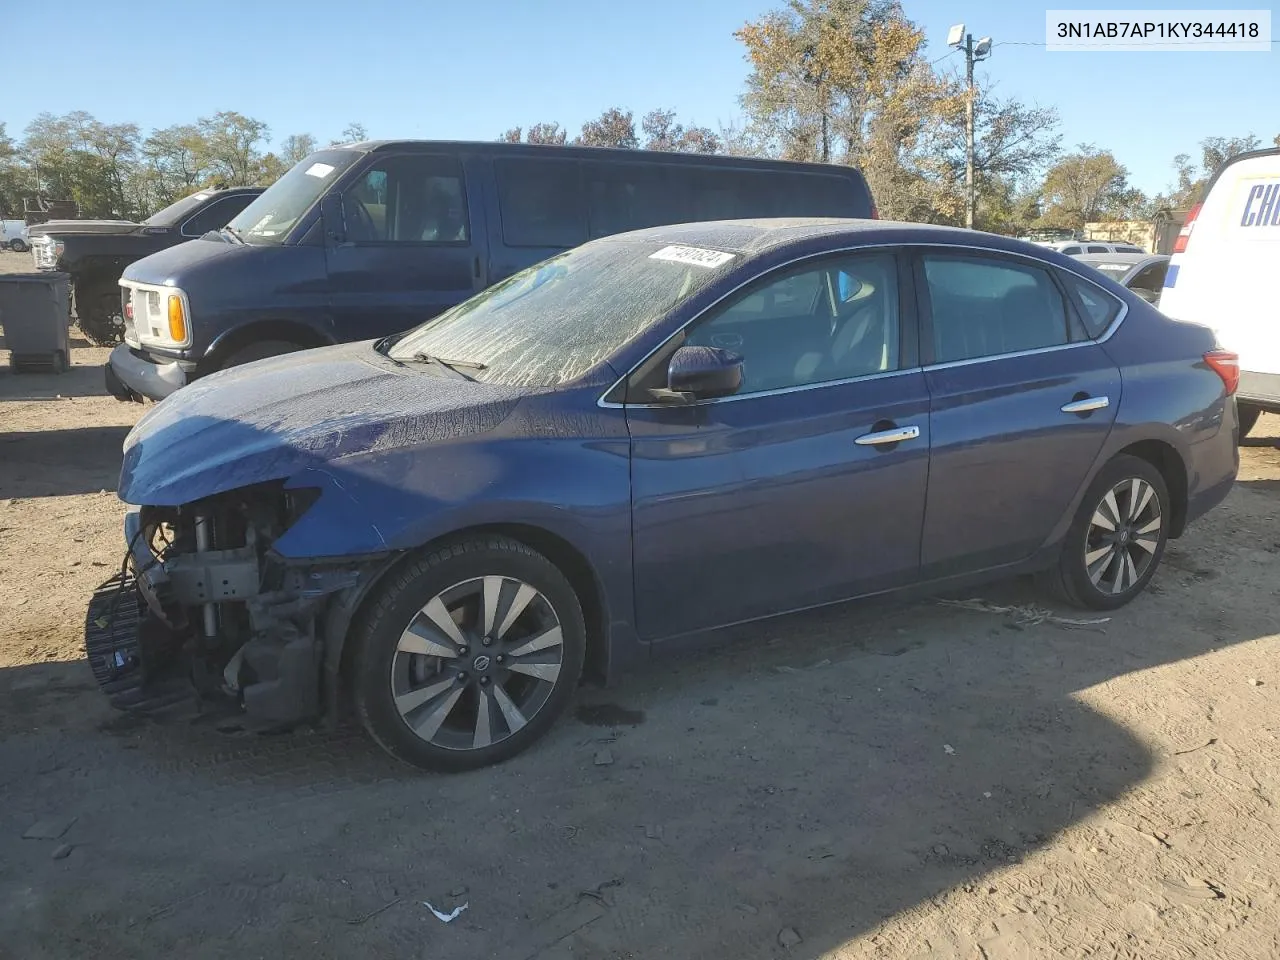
(602, 403)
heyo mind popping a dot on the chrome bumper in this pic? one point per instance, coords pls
(145, 378)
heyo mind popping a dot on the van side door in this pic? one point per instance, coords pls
(412, 243)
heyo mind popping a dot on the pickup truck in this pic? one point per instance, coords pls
(95, 252)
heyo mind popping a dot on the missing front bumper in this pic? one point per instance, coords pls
(133, 654)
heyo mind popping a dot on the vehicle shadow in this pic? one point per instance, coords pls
(81, 380)
(51, 463)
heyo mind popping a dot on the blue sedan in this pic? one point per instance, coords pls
(641, 440)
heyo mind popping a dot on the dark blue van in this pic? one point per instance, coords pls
(362, 241)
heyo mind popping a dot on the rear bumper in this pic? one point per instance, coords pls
(132, 375)
(1260, 389)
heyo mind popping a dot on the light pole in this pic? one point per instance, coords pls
(973, 52)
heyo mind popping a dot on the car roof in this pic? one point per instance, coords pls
(759, 236)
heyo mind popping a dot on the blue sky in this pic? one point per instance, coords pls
(427, 68)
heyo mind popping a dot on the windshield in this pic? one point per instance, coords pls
(177, 210)
(553, 322)
(269, 218)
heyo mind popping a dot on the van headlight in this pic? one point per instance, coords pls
(161, 316)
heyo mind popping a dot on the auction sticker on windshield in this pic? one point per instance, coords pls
(696, 256)
(320, 170)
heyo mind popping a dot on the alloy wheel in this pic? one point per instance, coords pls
(477, 662)
(1123, 536)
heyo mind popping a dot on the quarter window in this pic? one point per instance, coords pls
(833, 321)
(1100, 309)
(986, 308)
(541, 203)
(408, 200)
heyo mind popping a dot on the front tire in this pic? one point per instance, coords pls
(259, 351)
(468, 655)
(1117, 538)
(18, 246)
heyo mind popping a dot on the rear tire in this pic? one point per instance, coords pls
(468, 655)
(260, 351)
(1247, 414)
(18, 246)
(1117, 538)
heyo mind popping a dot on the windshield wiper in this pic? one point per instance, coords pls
(453, 365)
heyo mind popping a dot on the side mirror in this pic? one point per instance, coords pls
(335, 223)
(701, 373)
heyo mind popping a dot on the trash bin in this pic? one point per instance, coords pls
(33, 312)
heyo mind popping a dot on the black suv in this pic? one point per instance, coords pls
(95, 252)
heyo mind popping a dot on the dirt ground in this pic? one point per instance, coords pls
(884, 780)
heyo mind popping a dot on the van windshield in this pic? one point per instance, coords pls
(268, 220)
(553, 322)
(1116, 271)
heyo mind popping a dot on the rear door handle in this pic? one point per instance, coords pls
(895, 435)
(1086, 405)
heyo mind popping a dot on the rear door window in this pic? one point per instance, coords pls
(1096, 248)
(541, 203)
(983, 307)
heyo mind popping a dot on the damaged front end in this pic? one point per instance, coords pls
(203, 608)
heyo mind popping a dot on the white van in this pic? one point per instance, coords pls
(13, 236)
(1223, 271)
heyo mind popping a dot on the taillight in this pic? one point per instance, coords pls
(1184, 235)
(1226, 365)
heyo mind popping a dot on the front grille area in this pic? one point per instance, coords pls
(141, 312)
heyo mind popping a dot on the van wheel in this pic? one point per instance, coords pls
(18, 246)
(468, 655)
(1248, 415)
(259, 351)
(1117, 538)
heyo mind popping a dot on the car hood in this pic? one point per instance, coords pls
(63, 228)
(271, 419)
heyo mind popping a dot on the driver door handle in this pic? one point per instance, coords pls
(1086, 405)
(894, 435)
